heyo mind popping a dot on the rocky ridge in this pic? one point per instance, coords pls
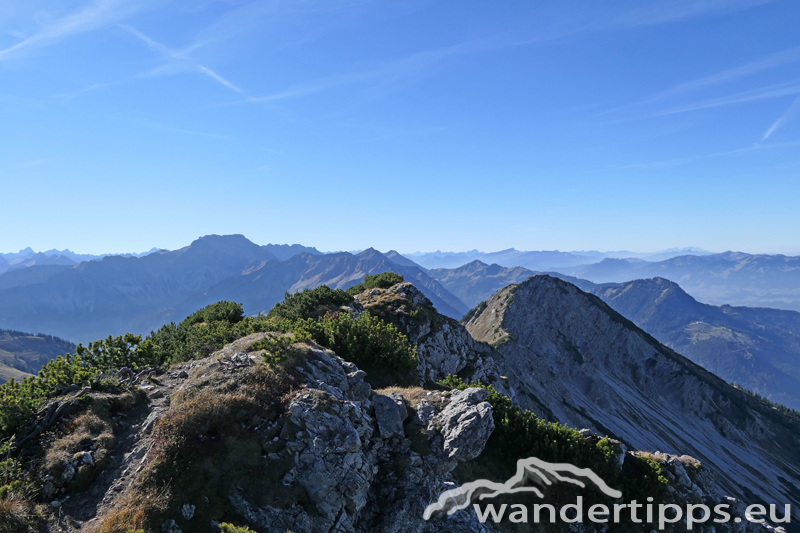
(323, 451)
(581, 363)
(444, 346)
(350, 458)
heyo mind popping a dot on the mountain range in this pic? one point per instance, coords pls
(118, 294)
(758, 348)
(540, 260)
(733, 278)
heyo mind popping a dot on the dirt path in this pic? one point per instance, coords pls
(132, 432)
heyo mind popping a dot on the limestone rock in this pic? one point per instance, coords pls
(388, 415)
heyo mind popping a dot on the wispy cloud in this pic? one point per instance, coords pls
(97, 15)
(179, 58)
(390, 72)
(675, 10)
(788, 115)
(684, 160)
(396, 70)
(784, 57)
(764, 93)
(89, 89)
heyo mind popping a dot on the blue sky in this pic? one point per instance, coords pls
(453, 125)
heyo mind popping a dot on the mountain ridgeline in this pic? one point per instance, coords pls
(732, 278)
(755, 347)
(118, 294)
(23, 354)
(571, 357)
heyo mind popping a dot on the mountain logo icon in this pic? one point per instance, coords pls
(530, 473)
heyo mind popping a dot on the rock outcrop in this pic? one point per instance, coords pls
(353, 459)
(338, 457)
(444, 346)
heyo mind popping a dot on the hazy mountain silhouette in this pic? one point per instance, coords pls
(119, 294)
(733, 278)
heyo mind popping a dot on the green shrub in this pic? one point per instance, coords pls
(309, 303)
(520, 433)
(278, 348)
(475, 311)
(222, 311)
(200, 334)
(383, 280)
(365, 340)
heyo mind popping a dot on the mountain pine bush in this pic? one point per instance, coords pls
(520, 434)
(383, 280)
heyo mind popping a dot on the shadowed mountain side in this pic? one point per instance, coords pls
(476, 281)
(593, 368)
(41, 259)
(23, 354)
(260, 286)
(118, 294)
(285, 251)
(758, 348)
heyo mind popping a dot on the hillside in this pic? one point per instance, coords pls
(23, 354)
(570, 356)
(755, 347)
(261, 285)
(117, 294)
(732, 278)
(476, 281)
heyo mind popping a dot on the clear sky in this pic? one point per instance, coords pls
(447, 124)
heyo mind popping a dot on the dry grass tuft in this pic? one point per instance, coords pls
(686, 460)
(133, 512)
(15, 517)
(208, 444)
(412, 395)
(90, 430)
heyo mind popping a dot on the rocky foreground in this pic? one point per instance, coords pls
(308, 445)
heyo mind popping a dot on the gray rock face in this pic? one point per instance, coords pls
(346, 459)
(581, 363)
(387, 412)
(464, 424)
(444, 346)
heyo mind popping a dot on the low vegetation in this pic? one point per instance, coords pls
(376, 281)
(322, 316)
(232, 423)
(520, 434)
(310, 303)
(791, 413)
(475, 311)
(223, 419)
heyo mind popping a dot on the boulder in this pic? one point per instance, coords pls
(389, 416)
